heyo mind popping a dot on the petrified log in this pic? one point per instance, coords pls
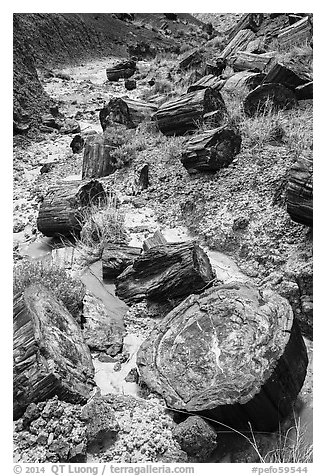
(272, 96)
(234, 354)
(190, 59)
(61, 212)
(208, 81)
(117, 257)
(211, 150)
(50, 355)
(77, 144)
(239, 42)
(270, 28)
(251, 21)
(129, 112)
(156, 240)
(305, 91)
(124, 69)
(185, 113)
(243, 61)
(216, 68)
(299, 32)
(242, 81)
(290, 77)
(97, 158)
(299, 192)
(165, 272)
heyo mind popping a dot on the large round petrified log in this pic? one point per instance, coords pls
(50, 355)
(184, 114)
(243, 80)
(97, 159)
(299, 192)
(127, 111)
(272, 96)
(234, 354)
(211, 150)
(61, 213)
(165, 272)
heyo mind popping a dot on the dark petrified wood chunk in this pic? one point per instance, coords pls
(211, 150)
(50, 355)
(127, 111)
(208, 81)
(61, 212)
(299, 193)
(165, 272)
(190, 58)
(155, 240)
(97, 159)
(234, 354)
(124, 69)
(271, 96)
(288, 76)
(117, 257)
(186, 113)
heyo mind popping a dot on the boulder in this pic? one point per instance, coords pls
(196, 437)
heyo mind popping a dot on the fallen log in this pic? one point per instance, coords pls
(124, 69)
(117, 257)
(127, 111)
(233, 354)
(208, 81)
(239, 42)
(165, 272)
(97, 159)
(244, 61)
(62, 210)
(299, 192)
(251, 21)
(190, 59)
(211, 150)
(271, 96)
(299, 32)
(50, 355)
(242, 81)
(156, 240)
(305, 91)
(291, 77)
(183, 115)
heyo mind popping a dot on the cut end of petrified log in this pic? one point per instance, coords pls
(226, 348)
(50, 355)
(271, 96)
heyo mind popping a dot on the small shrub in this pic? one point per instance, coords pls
(70, 291)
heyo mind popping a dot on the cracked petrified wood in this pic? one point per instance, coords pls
(156, 239)
(97, 159)
(126, 111)
(123, 69)
(63, 209)
(299, 192)
(208, 81)
(184, 114)
(190, 59)
(244, 60)
(233, 354)
(243, 81)
(50, 355)
(211, 150)
(271, 96)
(298, 33)
(290, 76)
(165, 272)
(116, 257)
(239, 42)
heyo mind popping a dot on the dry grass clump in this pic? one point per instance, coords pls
(70, 291)
(101, 225)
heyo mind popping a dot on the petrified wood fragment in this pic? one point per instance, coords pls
(271, 96)
(243, 61)
(288, 76)
(50, 355)
(155, 240)
(239, 42)
(211, 150)
(123, 69)
(299, 32)
(299, 192)
(97, 159)
(252, 21)
(185, 113)
(234, 354)
(190, 59)
(165, 272)
(117, 257)
(129, 112)
(62, 210)
(208, 81)
(242, 81)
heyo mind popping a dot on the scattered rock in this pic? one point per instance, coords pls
(101, 424)
(77, 144)
(70, 126)
(196, 437)
(130, 84)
